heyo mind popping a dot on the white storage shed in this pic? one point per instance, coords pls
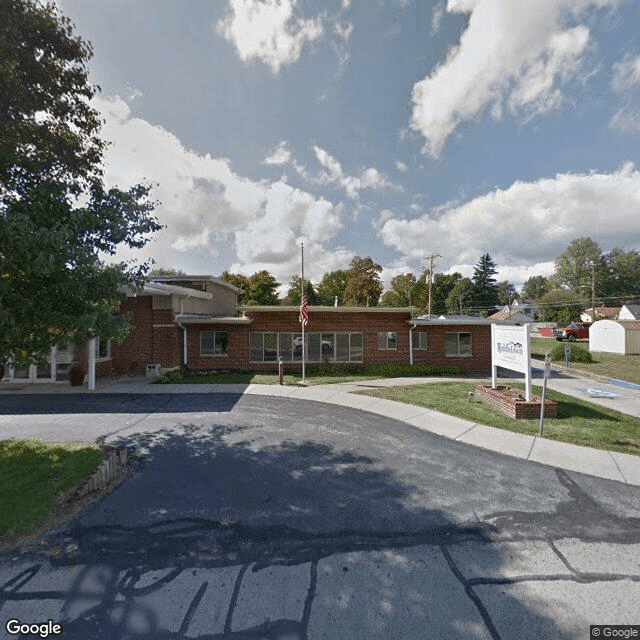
(615, 336)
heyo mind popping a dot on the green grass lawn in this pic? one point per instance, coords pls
(272, 378)
(578, 422)
(32, 473)
(605, 364)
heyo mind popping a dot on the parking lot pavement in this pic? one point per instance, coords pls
(256, 517)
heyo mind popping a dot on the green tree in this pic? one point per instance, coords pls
(166, 271)
(485, 289)
(506, 292)
(579, 264)
(401, 293)
(57, 220)
(237, 280)
(443, 284)
(561, 306)
(534, 288)
(460, 299)
(262, 288)
(363, 286)
(293, 294)
(331, 287)
(621, 276)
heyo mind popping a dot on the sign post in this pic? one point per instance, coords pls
(511, 349)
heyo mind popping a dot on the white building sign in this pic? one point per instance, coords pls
(511, 349)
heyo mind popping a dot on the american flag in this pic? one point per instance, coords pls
(304, 311)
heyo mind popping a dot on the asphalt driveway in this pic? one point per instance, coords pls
(264, 517)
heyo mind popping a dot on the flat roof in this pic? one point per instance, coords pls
(191, 278)
(329, 309)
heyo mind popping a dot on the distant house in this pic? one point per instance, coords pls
(601, 313)
(629, 312)
(517, 313)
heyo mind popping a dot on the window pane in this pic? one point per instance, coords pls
(342, 347)
(313, 347)
(327, 343)
(382, 340)
(285, 346)
(297, 347)
(392, 340)
(356, 347)
(465, 344)
(451, 344)
(270, 347)
(419, 339)
(206, 343)
(255, 345)
(221, 343)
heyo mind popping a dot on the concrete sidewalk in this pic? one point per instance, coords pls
(603, 464)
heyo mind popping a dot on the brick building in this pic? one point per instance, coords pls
(194, 321)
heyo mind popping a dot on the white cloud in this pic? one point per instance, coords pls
(516, 52)
(626, 119)
(207, 207)
(369, 178)
(268, 31)
(626, 74)
(436, 17)
(528, 223)
(280, 155)
(401, 166)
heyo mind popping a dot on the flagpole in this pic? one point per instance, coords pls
(304, 350)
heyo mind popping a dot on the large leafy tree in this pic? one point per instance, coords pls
(58, 222)
(331, 287)
(535, 287)
(262, 288)
(507, 292)
(621, 278)
(579, 266)
(485, 288)
(293, 294)
(460, 299)
(363, 286)
(561, 306)
(402, 292)
(443, 284)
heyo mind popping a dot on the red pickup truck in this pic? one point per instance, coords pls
(573, 331)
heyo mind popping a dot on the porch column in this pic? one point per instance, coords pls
(91, 364)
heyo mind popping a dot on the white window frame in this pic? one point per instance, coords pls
(100, 342)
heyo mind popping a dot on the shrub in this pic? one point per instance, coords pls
(578, 354)
(171, 377)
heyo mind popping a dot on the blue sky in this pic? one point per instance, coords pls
(388, 128)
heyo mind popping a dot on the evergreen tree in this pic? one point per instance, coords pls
(363, 286)
(484, 292)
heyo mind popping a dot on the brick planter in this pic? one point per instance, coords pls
(511, 402)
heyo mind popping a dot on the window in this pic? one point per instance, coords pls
(320, 347)
(213, 343)
(103, 348)
(387, 340)
(458, 344)
(419, 339)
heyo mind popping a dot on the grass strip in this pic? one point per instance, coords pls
(33, 473)
(578, 421)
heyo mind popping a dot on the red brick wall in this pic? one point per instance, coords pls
(480, 359)
(368, 323)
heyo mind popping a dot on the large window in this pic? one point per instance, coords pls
(321, 347)
(458, 344)
(387, 340)
(419, 340)
(213, 343)
(103, 348)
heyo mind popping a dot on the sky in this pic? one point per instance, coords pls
(394, 129)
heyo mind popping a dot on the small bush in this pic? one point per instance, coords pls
(578, 354)
(171, 377)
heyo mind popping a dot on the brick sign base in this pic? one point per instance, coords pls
(511, 402)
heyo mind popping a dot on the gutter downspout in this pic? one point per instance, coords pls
(411, 328)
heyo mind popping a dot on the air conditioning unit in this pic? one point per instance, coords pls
(153, 370)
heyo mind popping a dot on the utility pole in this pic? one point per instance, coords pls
(431, 259)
